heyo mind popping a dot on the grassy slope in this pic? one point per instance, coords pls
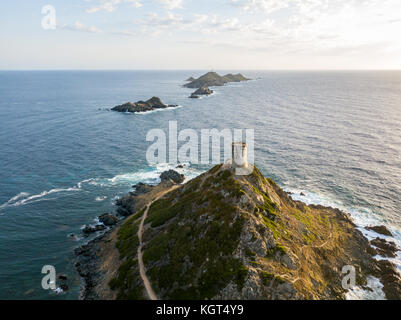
(195, 247)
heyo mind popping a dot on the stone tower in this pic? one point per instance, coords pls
(239, 155)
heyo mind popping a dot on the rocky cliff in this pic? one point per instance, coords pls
(222, 236)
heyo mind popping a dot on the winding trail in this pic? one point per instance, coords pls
(142, 271)
(310, 247)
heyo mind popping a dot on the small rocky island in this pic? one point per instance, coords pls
(203, 91)
(213, 79)
(223, 236)
(143, 106)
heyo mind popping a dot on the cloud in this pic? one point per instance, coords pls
(304, 26)
(111, 5)
(79, 26)
(267, 6)
(172, 4)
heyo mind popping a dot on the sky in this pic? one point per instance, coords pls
(200, 34)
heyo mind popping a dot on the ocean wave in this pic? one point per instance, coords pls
(150, 175)
(26, 198)
(14, 199)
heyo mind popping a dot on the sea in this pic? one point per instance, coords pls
(334, 136)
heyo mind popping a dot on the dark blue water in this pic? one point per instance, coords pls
(336, 136)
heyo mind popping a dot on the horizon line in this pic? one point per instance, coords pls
(223, 69)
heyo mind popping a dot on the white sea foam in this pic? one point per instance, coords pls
(149, 175)
(25, 198)
(14, 199)
(358, 293)
(154, 111)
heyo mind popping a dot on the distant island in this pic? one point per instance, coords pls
(143, 106)
(212, 79)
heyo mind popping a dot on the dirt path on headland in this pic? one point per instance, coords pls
(151, 294)
(311, 247)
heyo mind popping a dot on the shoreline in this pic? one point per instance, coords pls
(94, 259)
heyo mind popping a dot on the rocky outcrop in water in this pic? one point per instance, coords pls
(201, 91)
(142, 106)
(212, 79)
(380, 230)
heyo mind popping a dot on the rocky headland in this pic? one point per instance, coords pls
(142, 106)
(222, 236)
(212, 79)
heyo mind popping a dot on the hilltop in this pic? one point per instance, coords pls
(222, 236)
(212, 79)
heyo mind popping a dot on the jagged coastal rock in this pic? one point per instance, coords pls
(212, 79)
(380, 230)
(108, 219)
(142, 106)
(222, 236)
(173, 176)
